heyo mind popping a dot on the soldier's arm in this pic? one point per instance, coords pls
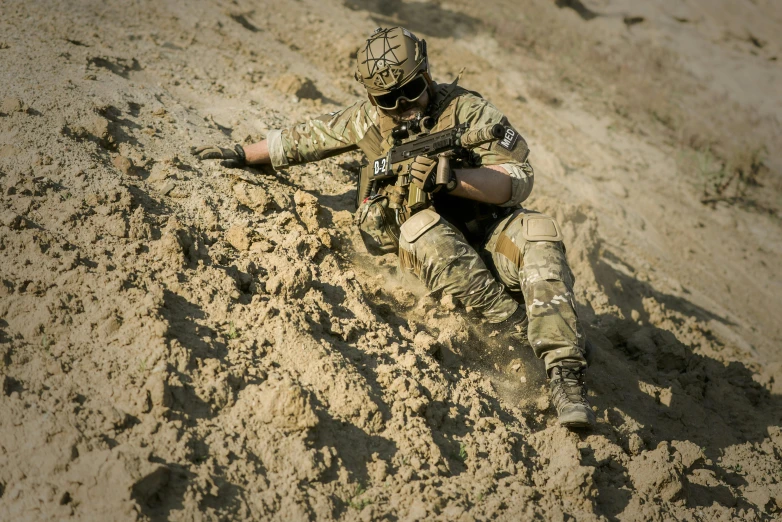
(313, 140)
(502, 178)
(490, 184)
(257, 153)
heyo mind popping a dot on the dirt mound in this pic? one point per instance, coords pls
(181, 341)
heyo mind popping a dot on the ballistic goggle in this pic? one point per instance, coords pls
(409, 92)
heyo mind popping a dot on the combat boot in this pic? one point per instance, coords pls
(569, 395)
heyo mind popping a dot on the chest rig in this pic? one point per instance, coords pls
(403, 197)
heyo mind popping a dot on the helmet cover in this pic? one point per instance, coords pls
(389, 59)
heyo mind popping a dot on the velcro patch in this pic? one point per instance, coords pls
(419, 223)
(541, 228)
(509, 140)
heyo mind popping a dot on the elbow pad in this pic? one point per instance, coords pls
(522, 178)
(276, 149)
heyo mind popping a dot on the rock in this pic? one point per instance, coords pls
(12, 104)
(409, 361)
(239, 236)
(123, 164)
(302, 199)
(447, 302)
(325, 237)
(175, 245)
(298, 86)
(167, 187)
(252, 196)
(138, 227)
(160, 172)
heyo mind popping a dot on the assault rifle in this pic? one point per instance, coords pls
(450, 144)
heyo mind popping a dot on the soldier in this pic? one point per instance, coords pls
(466, 235)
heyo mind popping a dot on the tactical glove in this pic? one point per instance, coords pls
(232, 158)
(432, 175)
(423, 172)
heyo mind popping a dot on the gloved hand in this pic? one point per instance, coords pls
(232, 158)
(423, 172)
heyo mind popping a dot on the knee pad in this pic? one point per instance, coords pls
(418, 224)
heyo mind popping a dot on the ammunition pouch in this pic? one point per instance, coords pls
(378, 226)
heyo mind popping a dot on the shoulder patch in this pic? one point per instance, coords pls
(509, 140)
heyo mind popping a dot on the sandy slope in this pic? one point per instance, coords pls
(179, 341)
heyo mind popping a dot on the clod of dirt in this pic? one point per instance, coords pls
(659, 473)
(298, 86)
(252, 196)
(123, 164)
(285, 405)
(239, 236)
(308, 208)
(290, 280)
(11, 104)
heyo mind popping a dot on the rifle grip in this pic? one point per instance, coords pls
(443, 170)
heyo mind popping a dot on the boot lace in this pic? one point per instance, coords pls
(568, 386)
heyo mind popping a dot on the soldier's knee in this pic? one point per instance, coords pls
(428, 245)
(416, 238)
(533, 242)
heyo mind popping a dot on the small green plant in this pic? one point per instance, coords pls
(233, 333)
(737, 468)
(142, 366)
(356, 503)
(46, 343)
(462, 455)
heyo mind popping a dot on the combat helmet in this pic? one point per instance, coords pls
(393, 64)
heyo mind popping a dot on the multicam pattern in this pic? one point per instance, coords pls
(444, 261)
(537, 275)
(345, 130)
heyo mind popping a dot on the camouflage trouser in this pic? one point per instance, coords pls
(522, 269)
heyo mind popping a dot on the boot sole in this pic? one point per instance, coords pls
(577, 420)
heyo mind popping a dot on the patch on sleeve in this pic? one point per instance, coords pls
(509, 140)
(511, 145)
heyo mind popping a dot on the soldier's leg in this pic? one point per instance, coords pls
(528, 256)
(538, 269)
(434, 251)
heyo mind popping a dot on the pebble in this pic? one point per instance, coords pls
(123, 164)
(11, 104)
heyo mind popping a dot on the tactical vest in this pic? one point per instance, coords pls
(378, 224)
(377, 141)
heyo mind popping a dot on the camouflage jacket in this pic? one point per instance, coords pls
(362, 126)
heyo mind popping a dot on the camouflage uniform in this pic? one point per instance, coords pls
(519, 258)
